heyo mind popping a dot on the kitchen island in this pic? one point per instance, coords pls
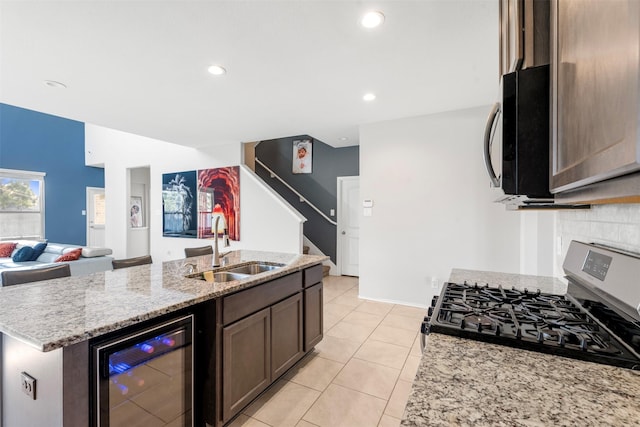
(464, 382)
(47, 326)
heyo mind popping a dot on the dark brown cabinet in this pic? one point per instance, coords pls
(265, 330)
(524, 34)
(595, 109)
(286, 334)
(313, 325)
(246, 361)
(312, 316)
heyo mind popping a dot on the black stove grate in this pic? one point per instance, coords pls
(531, 320)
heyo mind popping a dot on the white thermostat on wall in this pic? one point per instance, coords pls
(367, 203)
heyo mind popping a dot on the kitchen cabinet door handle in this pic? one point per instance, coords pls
(493, 115)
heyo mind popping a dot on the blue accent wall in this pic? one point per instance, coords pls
(40, 142)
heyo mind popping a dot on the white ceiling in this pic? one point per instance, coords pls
(294, 67)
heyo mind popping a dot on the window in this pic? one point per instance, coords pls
(21, 204)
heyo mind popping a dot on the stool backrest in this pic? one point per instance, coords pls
(18, 277)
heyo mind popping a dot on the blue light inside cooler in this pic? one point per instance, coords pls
(118, 368)
(130, 357)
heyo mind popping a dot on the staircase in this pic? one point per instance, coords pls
(325, 268)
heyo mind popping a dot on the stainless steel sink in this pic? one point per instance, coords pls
(255, 268)
(219, 277)
(235, 273)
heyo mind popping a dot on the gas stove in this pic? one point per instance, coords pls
(587, 323)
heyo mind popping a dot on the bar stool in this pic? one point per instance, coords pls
(37, 274)
(203, 250)
(130, 262)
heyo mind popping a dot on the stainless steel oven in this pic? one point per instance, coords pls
(145, 377)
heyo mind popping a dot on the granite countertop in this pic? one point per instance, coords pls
(56, 313)
(463, 382)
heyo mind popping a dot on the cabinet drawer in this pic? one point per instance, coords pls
(312, 275)
(243, 303)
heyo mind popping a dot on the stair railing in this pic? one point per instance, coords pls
(272, 174)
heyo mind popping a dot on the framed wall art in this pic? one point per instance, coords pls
(179, 204)
(136, 212)
(219, 196)
(302, 156)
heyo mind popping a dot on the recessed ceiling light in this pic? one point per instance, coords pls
(216, 70)
(369, 97)
(343, 138)
(53, 83)
(372, 19)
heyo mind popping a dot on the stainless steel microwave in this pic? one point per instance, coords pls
(516, 140)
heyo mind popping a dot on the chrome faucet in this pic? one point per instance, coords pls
(225, 243)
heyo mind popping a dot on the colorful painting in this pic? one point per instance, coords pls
(219, 196)
(179, 204)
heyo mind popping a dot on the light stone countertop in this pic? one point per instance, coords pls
(463, 382)
(55, 313)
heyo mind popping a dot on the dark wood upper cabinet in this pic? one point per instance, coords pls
(595, 91)
(524, 34)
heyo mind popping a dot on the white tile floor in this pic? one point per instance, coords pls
(359, 375)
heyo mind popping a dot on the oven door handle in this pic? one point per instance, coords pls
(488, 137)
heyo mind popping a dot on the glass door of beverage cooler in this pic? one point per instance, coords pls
(145, 378)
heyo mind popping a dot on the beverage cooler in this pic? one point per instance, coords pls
(145, 377)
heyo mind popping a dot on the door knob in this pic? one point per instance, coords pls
(344, 232)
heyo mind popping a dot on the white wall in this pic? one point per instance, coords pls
(617, 226)
(433, 207)
(265, 222)
(537, 243)
(18, 409)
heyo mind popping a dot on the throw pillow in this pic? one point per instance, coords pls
(6, 249)
(70, 256)
(23, 254)
(37, 251)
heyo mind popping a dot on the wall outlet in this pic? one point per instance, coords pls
(28, 385)
(332, 212)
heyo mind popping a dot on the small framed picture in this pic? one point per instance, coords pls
(302, 156)
(136, 217)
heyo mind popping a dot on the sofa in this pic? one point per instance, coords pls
(91, 260)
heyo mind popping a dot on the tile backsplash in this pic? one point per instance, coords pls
(617, 226)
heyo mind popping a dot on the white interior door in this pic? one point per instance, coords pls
(348, 225)
(95, 216)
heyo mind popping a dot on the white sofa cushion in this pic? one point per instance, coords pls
(90, 252)
(95, 260)
(23, 265)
